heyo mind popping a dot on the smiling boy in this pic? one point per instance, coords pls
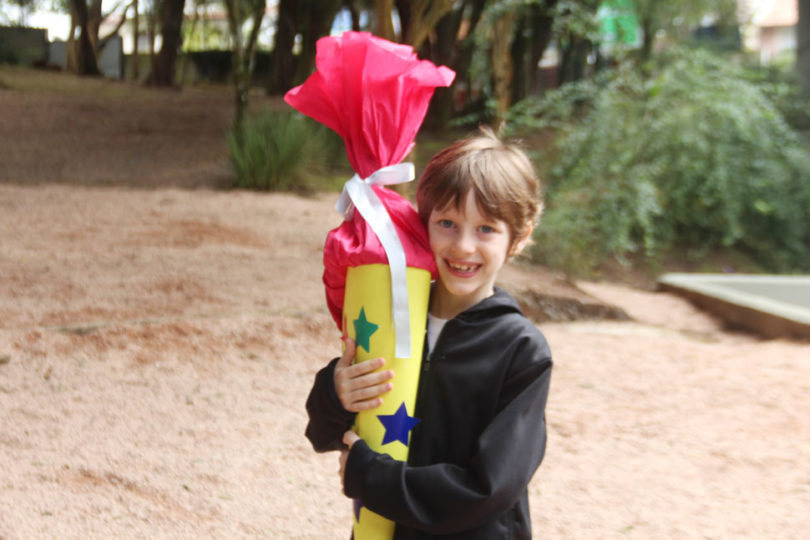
(486, 368)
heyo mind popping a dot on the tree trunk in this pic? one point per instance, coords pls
(151, 30)
(101, 42)
(316, 21)
(466, 50)
(185, 57)
(502, 70)
(518, 52)
(135, 52)
(171, 23)
(574, 59)
(383, 21)
(282, 61)
(540, 22)
(351, 5)
(424, 15)
(243, 55)
(647, 38)
(444, 52)
(240, 91)
(71, 45)
(404, 11)
(94, 18)
(803, 47)
(83, 57)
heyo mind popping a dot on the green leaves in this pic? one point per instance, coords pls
(281, 150)
(692, 155)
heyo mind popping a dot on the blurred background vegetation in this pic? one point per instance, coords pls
(667, 134)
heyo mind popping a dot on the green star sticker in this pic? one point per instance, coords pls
(363, 330)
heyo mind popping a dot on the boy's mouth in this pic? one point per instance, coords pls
(462, 269)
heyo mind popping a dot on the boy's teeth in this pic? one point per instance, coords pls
(462, 267)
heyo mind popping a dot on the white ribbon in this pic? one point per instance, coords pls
(357, 193)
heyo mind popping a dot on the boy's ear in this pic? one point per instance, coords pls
(523, 241)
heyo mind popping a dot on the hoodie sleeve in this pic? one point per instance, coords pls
(328, 420)
(445, 498)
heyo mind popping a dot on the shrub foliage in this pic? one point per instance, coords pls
(691, 155)
(282, 151)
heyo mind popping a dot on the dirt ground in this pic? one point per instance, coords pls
(157, 343)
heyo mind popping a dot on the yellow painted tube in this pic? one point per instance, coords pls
(367, 320)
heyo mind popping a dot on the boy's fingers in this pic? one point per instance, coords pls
(365, 398)
(367, 405)
(350, 437)
(369, 392)
(348, 353)
(363, 368)
(378, 377)
(359, 376)
(363, 373)
(359, 385)
(368, 398)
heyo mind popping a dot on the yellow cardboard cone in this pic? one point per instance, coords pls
(367, 320)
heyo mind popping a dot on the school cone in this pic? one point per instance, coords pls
(377, 264)
(367, 315)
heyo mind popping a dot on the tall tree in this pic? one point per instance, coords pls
(576, 28)
(384, 20)
(472, 13)
(85, 44)
(517, 52)
(135, 41)
(315, 21)
(241, 12)
(163, 65)
(309, 19)
(354, 12)
(443, 51)
(451, 43)
(96, 16)
(282, 63)
(423, 15)
(803, 47)
(518, 33)
(502, 67)
(153, 10)
(81, 53)
(540, 22)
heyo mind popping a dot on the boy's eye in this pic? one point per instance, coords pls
(487, 229)
(445, 223)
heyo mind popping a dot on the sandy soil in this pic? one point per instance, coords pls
(157, 345)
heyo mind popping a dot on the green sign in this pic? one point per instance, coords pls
(618, 22)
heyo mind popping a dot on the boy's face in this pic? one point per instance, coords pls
(470, 248)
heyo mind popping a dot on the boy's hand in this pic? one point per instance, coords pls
(349, 438)
(357, 386)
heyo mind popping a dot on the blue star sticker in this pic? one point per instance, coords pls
(363, 329)
(398, 425)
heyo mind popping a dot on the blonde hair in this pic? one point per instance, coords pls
(499, 174)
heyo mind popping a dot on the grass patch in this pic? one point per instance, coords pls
(57, 82)
(282, 150)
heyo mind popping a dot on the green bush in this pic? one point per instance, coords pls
(284, 150)
(690, 156)
(780, 85)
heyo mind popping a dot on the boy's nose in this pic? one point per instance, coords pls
(465, 243)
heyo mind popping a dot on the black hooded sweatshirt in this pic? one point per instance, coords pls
(481, 436)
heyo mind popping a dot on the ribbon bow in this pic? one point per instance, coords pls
(357, 193)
